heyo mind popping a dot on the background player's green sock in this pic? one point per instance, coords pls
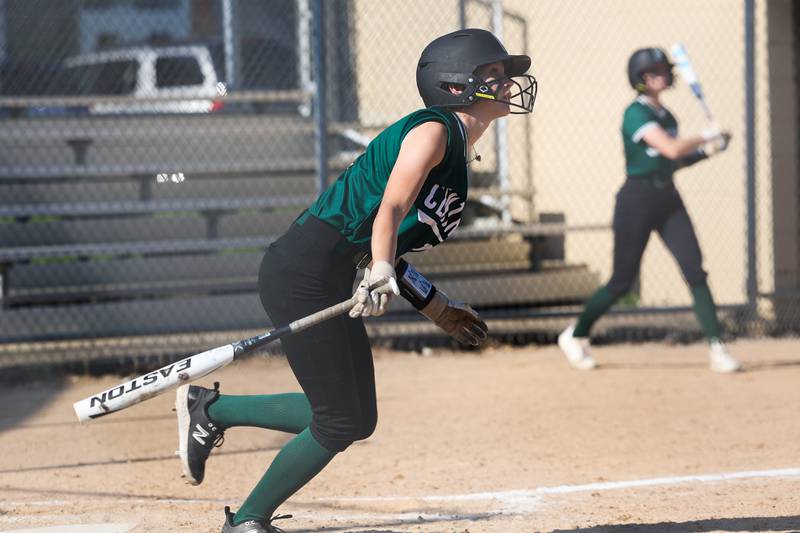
(288, 412)
(295, 465)
(706, 311)
(598, 304)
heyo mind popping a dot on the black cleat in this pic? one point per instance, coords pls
(197, 434)
(250, 526)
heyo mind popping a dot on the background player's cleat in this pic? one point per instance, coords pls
(721, 360)
(197, 434)
(250, 526)
(577, 350)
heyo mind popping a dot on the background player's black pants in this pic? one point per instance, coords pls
(310, 268)
(641, 208)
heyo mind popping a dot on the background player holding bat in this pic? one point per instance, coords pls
(405, 193)
(648, 201)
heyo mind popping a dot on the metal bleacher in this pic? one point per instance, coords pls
(96, 250)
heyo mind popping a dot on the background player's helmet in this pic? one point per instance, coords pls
(643, 60)
(453, 58)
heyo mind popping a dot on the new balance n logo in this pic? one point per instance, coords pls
(200, 435)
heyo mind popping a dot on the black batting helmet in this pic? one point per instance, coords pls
(453, 59)
(643, 60)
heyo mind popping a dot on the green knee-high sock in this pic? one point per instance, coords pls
(295, 465)
(706, 311)
(598, 304)
(288, 412)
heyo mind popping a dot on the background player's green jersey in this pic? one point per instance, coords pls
(643, 161)
(351, 202)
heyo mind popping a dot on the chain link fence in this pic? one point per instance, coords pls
(152, 149)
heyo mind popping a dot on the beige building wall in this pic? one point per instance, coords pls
(389, 37)
(570, 150)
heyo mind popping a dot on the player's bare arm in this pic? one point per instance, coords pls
(421, 150)
(672, 147)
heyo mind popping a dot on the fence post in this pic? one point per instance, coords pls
(229, 40)
(501, 129)
(320, 115)
(750, 114)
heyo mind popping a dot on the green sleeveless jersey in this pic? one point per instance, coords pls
(643, 161)
(351, 202)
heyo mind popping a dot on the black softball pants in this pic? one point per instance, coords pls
(642, 207)
(310, 268)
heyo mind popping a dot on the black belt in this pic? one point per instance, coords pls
(658, 179)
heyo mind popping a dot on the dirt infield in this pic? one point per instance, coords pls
(508, 440)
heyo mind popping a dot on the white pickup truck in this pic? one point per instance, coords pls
(148, 73)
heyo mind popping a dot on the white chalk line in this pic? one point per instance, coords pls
(512, 501)
(522, 501)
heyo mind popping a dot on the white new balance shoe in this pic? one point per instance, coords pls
(721, 360)
(577, 349)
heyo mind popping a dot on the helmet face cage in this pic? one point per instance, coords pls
(522, 97)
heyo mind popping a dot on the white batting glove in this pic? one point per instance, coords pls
(375, 302)
(711, 132)
(363, 304)
(716, 138)
(457, 319)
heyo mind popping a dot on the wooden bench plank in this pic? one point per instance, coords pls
(98, 292)
(135, 270)
(46, 171)
(132, 278)
(136, 317)
(116, 230)
(24, 194)
(223, 187)
(115, 208)
(131, 248)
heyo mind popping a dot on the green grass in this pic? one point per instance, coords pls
(629, 300)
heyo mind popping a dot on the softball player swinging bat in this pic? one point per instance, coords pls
(405, 193)
(648, 201)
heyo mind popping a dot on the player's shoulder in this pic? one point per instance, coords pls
(431, 114)
(432, 123)
(638, 108)
(637, 114)
(429, 136)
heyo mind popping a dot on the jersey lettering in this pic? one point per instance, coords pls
(442, 213)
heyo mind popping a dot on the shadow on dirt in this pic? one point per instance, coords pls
(789, 524)
(388, 526)
(28, 391)
(169, 457)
